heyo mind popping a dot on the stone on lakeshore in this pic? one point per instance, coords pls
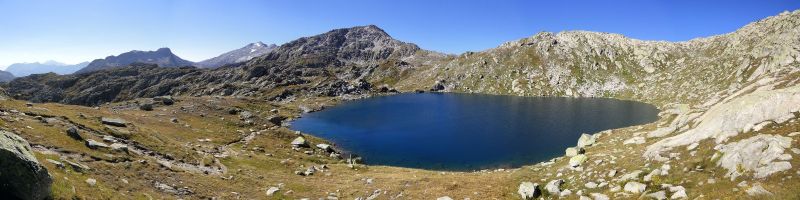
(299, 142)
(586, 140)
(576, 161)
(574, 151)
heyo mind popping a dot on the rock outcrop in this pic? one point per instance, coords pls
(761, 154)
(22, 176)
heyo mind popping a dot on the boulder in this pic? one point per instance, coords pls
(574, 151)
(73, 133)
(528, 190)
(586, 140)
(635, 187)
(113, 121)
(22, 177)
(576, 161)
(554, 187)
(299, 142)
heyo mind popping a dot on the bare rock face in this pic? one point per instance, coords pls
(22, 175)
(761, 154)
(728, 119)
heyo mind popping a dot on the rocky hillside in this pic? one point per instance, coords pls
(162, 57)
(243, 54)
(342, 61)
(590, 64)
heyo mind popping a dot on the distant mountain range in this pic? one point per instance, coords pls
(162, 57)
(6, 76)
(243, 54)
(24, 69)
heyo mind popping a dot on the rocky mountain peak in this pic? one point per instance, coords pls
(355, 45)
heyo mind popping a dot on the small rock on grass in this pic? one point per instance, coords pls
(271, 191)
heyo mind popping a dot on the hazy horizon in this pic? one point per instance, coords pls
(80, 31)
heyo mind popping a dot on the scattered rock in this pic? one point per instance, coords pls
(680, 194)
(444, 198)
(577, 160)
(325, 147)
(22, 176)
(612, 173)
(276, 119)
(635, 187)
(166, 100)
(56, 163)
(574, 151)
(245, 115)
(113, 121)
(566, 192)
(635, 140)
(590, 185)
(95, 144)
(92, 182)
(119, 147)
(77, 166)
(272, 190)
(554, 187)
(117, 132)
(528, 190)
(146, 107)
(300, 142)
(599, 196)
(634, 175)
(758, 190)
(660, 195)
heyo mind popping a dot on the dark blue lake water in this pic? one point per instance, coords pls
(463, 132)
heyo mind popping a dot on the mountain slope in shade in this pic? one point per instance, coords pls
(6, 76)
(243, 54)
(162, 57)
(24, 69)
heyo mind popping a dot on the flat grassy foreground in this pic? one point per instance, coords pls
(205, 147)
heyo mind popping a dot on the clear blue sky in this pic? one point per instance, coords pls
(82, 30)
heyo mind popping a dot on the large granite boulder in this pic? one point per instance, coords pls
(21, 175)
